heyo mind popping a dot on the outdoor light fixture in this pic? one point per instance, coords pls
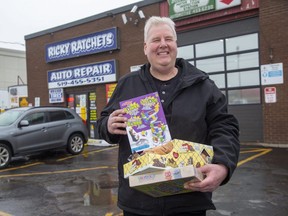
(134, 9)
(141, 14)
(124, 19)
(132, 17)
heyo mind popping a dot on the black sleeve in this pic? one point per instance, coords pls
(223, 133)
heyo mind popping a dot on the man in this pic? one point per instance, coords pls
(195, 110)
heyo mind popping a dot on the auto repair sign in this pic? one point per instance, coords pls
(97, 42)
(94, 73)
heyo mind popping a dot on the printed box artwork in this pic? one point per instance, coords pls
(146, 125)
(165, 183)
(174, 154)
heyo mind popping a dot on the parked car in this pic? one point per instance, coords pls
(27, 130)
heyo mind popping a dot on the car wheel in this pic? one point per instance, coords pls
(75, 144)
(5, 155)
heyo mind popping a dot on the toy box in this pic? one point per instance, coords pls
(182, 153)
(165, 182)
(146, 125)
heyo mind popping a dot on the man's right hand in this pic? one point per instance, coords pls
(117, 122)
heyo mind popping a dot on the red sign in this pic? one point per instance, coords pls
(270, 94)
(226, 1)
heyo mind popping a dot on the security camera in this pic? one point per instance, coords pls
(134, 9)
(124, 18)
(141, 14)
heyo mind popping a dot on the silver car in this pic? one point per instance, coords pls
(27, 130)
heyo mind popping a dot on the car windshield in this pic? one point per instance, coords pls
(9, 117)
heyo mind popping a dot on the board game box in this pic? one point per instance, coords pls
(180, 153)
(165, 182)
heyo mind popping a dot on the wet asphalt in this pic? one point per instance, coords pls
(56, 183)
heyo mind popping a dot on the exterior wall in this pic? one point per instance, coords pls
(272, 33)
(130, 53)
(273, 40)
(12, 65)
(12, 74)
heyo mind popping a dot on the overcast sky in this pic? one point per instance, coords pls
(23, 17)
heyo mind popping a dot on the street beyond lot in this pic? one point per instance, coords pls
(56, 183)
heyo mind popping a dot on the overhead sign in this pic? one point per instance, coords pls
(272, 74)
(181, 8)
(85, 45)
(95, 73)
(270, 95)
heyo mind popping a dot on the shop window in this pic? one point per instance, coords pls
(211, 64)
(219, 80)
(245, 60)
(244, 78)
(232, 63)
(209, 48)
(242, 43)
(186, 52)
(244, 96)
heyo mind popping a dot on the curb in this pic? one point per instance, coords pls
(267, 145)
(97, 142)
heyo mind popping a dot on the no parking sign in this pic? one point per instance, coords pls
(270, 94)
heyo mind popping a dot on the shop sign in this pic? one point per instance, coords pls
(272, 74)
(37, 101)
(109, 90)
(181, 8)
(92, 114)
(97, 42)
(95, 73)
(270, 94)
(56, 95)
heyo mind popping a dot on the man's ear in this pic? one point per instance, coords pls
(145, 47)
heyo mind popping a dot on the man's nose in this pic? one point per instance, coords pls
(163, 43)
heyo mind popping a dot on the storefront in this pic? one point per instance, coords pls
(78, 65)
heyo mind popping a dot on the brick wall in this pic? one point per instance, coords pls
(130, 53)
(273, 40)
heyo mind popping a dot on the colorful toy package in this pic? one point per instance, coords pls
(146, 126)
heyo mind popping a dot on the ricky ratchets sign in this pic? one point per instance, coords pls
(181, 8)
(97, 42)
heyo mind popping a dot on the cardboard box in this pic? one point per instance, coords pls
(183, 154)
(165, 183)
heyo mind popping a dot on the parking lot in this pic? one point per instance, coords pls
(57, 183)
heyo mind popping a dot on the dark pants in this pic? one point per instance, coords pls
(198, 213)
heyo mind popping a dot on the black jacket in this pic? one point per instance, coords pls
(199, 114)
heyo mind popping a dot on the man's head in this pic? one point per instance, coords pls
(160, 44)
(155, 20)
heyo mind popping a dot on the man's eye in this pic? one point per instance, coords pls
(155, 40)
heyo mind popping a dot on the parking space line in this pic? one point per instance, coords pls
(57, 172)
(61, 159)
(262, 152)
(86, 153)
(21, 167)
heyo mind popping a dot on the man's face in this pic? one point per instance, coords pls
(161, 47)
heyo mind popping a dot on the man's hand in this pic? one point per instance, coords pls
(117, 123)
(215, 174)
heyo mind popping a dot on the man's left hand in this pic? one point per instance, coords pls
(215, 175)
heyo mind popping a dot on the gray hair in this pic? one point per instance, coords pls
(156, 20)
